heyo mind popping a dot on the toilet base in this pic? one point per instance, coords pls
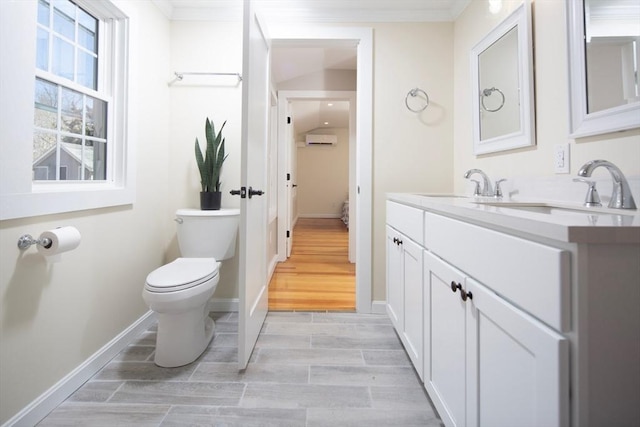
(182, 337)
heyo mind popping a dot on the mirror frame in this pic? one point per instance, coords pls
(521, 18)
(582, 123)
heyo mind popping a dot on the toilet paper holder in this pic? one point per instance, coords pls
(26, 240)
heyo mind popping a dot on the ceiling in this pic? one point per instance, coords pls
(288, 63)
(309, 116)
(318, 10)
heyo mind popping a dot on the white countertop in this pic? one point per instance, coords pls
(553, 220)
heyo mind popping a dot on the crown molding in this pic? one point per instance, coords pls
(322, 11)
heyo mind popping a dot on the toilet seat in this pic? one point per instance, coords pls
(181, 274)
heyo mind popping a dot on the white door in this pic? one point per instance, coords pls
(444, 340)
(253, 291)
(292, 177)
(395, 286)
(413, 321)
(518, 369)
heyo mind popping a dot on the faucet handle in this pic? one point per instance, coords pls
(498, 193)
(476, 190)
(593, 198)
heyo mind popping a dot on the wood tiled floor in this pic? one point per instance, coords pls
(308, 369)
(318, 275)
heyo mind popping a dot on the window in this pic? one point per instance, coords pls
(70, 117)
(65, 142)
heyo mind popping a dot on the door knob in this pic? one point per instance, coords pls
(242, 192)
(253, 192)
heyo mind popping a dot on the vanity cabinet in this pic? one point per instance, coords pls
(548, 333)
(488, 363)
(404, 277)
(485, 360)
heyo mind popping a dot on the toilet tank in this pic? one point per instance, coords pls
(207, 234)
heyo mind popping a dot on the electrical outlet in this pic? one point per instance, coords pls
(561, 158)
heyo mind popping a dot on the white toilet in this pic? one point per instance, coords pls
(179, 292)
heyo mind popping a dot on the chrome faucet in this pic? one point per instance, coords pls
(487, 190)
(621, 197)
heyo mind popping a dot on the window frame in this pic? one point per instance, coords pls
(22, 197)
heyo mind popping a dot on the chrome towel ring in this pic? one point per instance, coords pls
(413, 93)
(487, 93)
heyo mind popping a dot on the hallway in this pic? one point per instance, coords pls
(318, 275)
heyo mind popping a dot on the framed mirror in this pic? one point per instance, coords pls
(502, 86)
(604, 52)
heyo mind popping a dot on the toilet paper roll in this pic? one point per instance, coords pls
(61, 239)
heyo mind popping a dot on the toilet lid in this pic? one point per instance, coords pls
(183, 273)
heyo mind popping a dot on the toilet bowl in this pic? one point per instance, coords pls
(179, 292)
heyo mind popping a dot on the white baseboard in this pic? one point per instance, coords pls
(33, 413)
(379, 307)
(224, 304)
(320, 216)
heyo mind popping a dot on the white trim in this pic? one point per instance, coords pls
(224, 305)
(581, 122)
(363, 38)
(322, 11)
(320, 215)
(272, 267)
(19, 196)
(525, 136)
(379, 307)
(33, 413)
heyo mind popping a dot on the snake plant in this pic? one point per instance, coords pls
(210, 164)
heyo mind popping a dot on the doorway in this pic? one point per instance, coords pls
(318, 271)
(361, 187)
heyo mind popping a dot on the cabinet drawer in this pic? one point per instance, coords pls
(407, 220)
(533, 276)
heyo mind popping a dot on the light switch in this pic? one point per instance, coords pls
(561, 158)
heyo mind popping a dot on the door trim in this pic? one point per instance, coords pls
(285, 97)
(362, 38)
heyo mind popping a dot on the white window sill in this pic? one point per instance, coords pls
(25, 205)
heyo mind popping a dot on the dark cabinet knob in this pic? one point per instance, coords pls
(455, 286)
(464, 295)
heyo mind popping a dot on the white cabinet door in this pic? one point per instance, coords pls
(444, 340)
(413, 321)
(395, 287)
(517, 368)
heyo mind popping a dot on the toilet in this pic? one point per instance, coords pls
(179, 292)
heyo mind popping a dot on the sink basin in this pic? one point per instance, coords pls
(458, 196)
(555, 209)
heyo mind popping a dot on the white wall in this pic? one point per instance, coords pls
(323, 176)
(552, 115)
(214, 47)
(412, 152)
(327, 80)
(54, 317)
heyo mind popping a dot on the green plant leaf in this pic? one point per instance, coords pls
(210, 164)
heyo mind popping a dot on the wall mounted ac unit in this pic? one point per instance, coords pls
(321, 139)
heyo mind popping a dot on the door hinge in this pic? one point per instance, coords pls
(288, 234)
(288, 177)
(288, 120)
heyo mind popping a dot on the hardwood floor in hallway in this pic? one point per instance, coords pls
(318, 275)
